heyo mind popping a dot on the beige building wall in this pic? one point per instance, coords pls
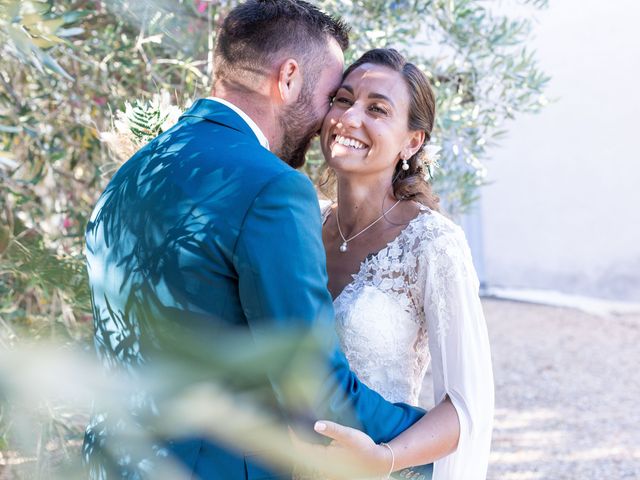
(563, 212)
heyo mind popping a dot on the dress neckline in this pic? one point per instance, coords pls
(374, 256)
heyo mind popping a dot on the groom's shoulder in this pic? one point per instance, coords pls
(263, 171)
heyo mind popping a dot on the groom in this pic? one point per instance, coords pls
(209, 227)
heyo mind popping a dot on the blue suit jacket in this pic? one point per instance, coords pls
(206, 230)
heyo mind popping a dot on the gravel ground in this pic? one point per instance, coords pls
(567, 393)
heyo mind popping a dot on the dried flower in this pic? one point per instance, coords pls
(140, 123)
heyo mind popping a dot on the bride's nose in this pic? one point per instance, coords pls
(351, 117)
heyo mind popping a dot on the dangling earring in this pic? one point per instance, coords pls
(405, 164)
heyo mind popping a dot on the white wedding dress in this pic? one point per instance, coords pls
(414, 302)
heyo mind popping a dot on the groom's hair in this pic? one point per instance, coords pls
(258, 32)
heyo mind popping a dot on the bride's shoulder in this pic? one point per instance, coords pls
(432, 225)
(440, 238)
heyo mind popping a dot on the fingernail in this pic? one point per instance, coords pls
(320, 427)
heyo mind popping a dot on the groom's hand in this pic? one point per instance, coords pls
(346, 437)
(355, 445)
(350, 455)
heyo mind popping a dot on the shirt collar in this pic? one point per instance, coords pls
(254, 127)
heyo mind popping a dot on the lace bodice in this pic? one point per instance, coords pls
(380, 321)
(413, 302)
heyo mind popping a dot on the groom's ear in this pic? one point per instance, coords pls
(289, 81)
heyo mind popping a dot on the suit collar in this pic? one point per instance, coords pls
(222, 114)
(262, 138)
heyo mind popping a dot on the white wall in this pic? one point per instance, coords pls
(563, 212)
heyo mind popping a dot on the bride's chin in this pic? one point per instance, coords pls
(333, 163)
(343, 166)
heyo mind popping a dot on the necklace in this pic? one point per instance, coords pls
(345, 241)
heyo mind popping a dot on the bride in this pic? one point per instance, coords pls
(404, 287)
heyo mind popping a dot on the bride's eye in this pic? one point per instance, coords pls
(342, 100)
(378, 109)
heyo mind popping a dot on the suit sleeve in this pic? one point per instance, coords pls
(280, 262)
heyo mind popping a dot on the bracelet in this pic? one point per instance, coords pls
(393, 458)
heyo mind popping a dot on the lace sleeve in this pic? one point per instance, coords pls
(460, 355)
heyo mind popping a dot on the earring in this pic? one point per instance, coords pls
(405, 164)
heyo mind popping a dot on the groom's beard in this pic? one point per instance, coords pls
(299, 125)
(296, 156)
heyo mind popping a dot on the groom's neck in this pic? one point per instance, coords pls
(254, 103)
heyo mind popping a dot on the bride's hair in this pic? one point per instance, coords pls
(408, 184)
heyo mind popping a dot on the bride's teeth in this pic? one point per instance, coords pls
(349, 142)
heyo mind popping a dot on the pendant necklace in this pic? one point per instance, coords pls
(345, 241)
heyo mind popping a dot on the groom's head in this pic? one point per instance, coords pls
(286, 56)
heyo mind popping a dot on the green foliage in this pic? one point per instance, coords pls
(32, 278)
(52, 161)
(30, 28)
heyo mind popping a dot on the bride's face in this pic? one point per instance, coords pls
(366, 128)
